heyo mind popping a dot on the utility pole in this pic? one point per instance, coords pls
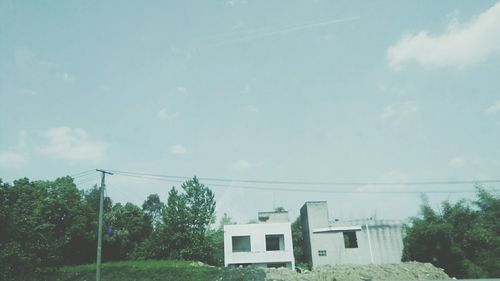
(99, 232)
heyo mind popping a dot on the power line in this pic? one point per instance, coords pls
(90, 178)
(327, 183)
(80, 174)
(268, 188)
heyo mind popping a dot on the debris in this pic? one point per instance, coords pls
(371, 272)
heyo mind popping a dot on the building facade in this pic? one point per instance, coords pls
(264, 244)
(348, 242)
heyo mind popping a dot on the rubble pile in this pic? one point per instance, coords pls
(372, 272)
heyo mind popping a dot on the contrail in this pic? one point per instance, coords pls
(292, 28)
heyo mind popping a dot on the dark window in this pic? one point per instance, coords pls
(350, 240)
(275, 242)
(241, 264)
(322, 253)
(276, 265)
(241, 244)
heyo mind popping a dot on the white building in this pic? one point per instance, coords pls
(264, 244)
(348, 242)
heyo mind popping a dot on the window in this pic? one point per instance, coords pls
(241, 264)
(275, 242)
(350, 240)
(322, 253)
(276, 265)
(241, 244)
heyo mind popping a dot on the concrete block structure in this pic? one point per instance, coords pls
(348, 242)
(264, 244)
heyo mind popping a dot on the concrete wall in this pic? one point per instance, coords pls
(258, 255)
(273, 217)
(379, 241)
(312, 215)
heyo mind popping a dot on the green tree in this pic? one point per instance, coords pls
(127, 227)
(186, 218)
(215, 240)
(280, 209)
(40, 220)
(298, 244)
(153, 209)
(462, 238)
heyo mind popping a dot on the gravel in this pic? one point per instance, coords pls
(400, 271)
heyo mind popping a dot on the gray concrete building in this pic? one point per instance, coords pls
(348, 242)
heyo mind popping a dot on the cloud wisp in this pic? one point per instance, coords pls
(164, 115)
(399, 110)
(250, 35)
(245, 165)
(461, 45)
(12, 159)
(457, 162)
(73, 144)
(494, 108)
(16, 157)
(178, 149)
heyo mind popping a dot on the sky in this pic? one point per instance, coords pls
(308, 91)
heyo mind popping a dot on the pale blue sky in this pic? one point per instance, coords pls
(262, 90)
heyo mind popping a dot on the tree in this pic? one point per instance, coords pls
(183, 232)
(280, 209)
(40, 220)
(461, 239)
(298, 244)
(225, 220)
(215, 240)
(127, 228)
(187, 217)
(153, 209)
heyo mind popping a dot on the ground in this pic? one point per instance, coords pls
(196, 271)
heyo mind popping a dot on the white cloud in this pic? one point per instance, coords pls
(399, 110)
(244, 165)
(12, 159)
(27, 92)
(66, 76)
(241, 165)
(457, 162)
(252, 108)
(494, 108)
(182, 90)
(72, 144)
(18, 156)
(460, 45)
(235, 2)
(163, 114)
(178, 149)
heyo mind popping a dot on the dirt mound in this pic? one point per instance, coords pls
(400, 271)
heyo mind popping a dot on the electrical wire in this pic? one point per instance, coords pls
(80, 174)
(87, 180)
(361, 190)
(327, 183)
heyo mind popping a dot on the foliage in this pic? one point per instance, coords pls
(280, 209)
(153, 209)
(298, 245)
(47, 224)
(128, 226)
(183, 232)
(40, 223)
(187, 217)
(463, 239)
(215, 239)
(154, 270)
